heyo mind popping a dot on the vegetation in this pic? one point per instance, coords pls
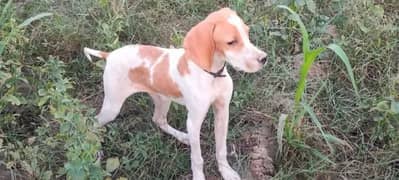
(49, 92)
(309, 56)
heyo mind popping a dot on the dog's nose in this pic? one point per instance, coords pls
(263, 60)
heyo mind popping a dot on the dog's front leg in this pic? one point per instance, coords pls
(221, 112)
(195, 118)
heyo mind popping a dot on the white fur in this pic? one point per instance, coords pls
(199, 92)
(160, 58)
(88, 52)
(248, 55)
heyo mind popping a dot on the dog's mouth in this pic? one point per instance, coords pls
(237, 68)
(248, 66)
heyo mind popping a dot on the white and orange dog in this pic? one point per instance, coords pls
(194, 76)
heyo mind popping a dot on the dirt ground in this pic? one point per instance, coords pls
(260, 144)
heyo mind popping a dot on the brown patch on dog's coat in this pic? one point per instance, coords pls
(182, 66)
(151, 53)
(140, 77)
(162, 83)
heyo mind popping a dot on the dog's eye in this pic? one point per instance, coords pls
(230, 43)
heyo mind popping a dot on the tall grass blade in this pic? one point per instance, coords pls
(316, 121)
(2, 45)
(280, 132)
(341, 54)
(333, 139)
(302, 28)
(313, 151)
(301, 114)
(4, 13)
(34, 18)
(321, 156)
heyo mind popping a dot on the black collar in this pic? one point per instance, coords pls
(218, 73)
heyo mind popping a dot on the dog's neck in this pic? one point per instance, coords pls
(217, 67)
(218, 63)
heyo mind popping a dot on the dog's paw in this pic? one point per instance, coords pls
(229, 174)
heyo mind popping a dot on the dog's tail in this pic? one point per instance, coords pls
(97, 53)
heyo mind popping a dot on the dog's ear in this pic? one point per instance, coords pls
(199, 44)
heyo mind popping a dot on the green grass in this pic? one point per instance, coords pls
(44, 76)
(309, 57)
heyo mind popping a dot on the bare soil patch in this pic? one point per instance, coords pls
(259, 142)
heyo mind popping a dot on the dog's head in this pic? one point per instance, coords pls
(223, 34)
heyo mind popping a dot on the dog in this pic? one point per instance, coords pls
(194, 76)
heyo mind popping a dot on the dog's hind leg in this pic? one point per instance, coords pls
(115, 93)
(160, 118)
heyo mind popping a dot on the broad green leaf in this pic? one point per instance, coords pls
(309, 55)
(342, 55)
(34, 18)
(312, 55)
(309, 58)
(112, 164)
